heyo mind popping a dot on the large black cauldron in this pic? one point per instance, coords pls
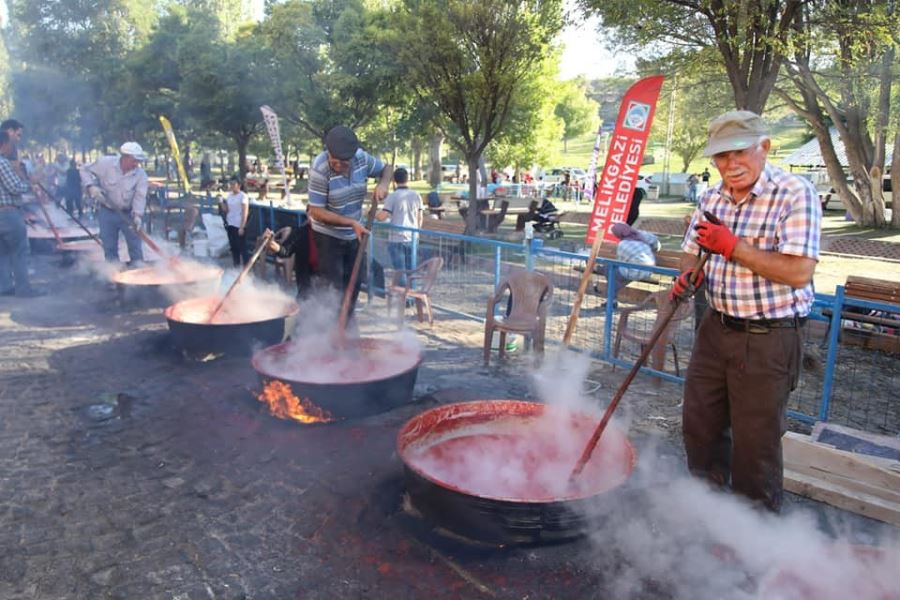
(480, 507)
(357, 392)
(191, 333)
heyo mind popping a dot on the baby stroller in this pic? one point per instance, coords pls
(546, 220)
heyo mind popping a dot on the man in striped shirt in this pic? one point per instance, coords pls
(763, 236)
(13, 236)
(337, 188)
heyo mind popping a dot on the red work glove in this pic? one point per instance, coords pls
(716, 238)
(683, 288)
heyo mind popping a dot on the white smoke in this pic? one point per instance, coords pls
(318, 353)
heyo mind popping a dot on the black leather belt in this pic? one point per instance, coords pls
(758, 325)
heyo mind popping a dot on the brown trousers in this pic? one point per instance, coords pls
(740, 380)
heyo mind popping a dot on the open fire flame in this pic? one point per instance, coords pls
(284, 404)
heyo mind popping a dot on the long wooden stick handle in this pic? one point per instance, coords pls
(146, 238)
(648, 348)
(354, 274)
(260, 247)
(59, 240)
(582, 288)
(72, 215)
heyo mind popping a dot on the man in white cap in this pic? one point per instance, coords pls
(119, 186)
(761, 226)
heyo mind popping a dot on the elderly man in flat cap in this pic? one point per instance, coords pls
(337, 188)
(118, 184)
(763, 240)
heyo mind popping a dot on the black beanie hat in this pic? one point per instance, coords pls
(341, 142)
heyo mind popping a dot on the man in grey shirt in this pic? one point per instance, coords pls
(403, 207)
(119, 186)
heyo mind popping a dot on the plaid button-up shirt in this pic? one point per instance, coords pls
(11, 185)
(780, 214)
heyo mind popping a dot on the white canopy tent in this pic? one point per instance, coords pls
(809, 155)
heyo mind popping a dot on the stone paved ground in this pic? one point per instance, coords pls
(131, 473)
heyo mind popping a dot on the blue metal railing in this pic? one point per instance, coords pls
(496, 255)
(480, 276)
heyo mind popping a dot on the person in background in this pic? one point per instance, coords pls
(206, 178)
(237, 211)
(118, 185)
(13, 236)
(763, 240)
(56, 176)
(403, 207)
(692, 183)
(14, 129)
(634, 209)
(71, 189)
(262, 182)
(337, 189)
(297, 242)
(635, 247)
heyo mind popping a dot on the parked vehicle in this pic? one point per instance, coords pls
(828, 196)
(448, 172)
(555, 175)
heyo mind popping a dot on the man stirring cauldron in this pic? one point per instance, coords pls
(337, 188)
(119, 186)
(763, 236)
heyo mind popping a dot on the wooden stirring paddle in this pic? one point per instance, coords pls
(260, 247)
(354, 274)
(648, 348)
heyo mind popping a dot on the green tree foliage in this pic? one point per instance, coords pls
(576, 110)
(534, 126)
(76, 51)
(701, 93)
(6, 105)
(608, 93)
(332, 64)
(223, 83)
(470, 60)
(751, 37)
(843, 69)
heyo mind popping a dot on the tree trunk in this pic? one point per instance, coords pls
(416, 146)
(835, 170)
(877, 196)
(895, 184)
(472, 217)
(242, 155)
(434, 159)
(565, 145)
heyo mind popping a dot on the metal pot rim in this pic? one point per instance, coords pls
(215, 273)
(283, 347)
(475, 406)
(292, 309)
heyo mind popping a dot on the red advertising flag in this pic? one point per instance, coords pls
(612, 197)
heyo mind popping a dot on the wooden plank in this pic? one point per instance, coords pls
(859, 279)
(841, 497)
(874, 438)
(837, 466)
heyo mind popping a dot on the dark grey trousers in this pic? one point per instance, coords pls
(734, 402)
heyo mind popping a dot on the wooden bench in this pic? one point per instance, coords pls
(447, 248)
(875, 290)
(516, 205)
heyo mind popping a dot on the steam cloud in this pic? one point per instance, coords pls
(316, 355)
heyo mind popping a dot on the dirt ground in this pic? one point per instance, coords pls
(131, 472)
